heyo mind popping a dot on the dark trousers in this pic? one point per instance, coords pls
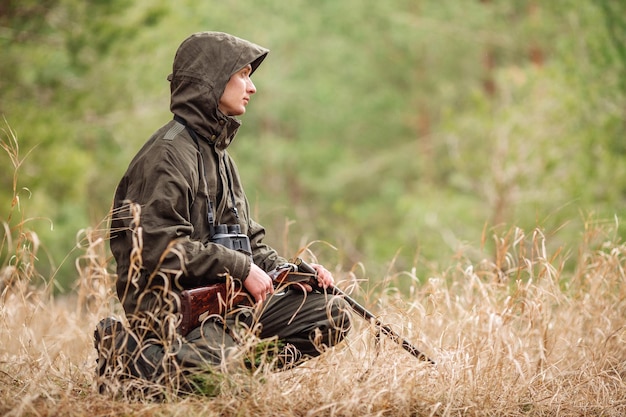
(301, 325)
(308, 322)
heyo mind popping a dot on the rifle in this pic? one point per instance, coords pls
(198, 303)
(363, 312)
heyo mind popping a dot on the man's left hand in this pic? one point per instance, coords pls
(324, 277)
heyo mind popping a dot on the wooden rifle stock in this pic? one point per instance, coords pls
(218, 299)
(198, 303)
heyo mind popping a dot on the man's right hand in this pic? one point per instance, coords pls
(258, 283)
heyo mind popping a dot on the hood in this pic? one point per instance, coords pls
(203, 64)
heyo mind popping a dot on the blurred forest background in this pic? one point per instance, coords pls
(401, 132)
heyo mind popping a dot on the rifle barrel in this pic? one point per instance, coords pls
(363, 312)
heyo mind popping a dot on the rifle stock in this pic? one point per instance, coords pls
(198, 303)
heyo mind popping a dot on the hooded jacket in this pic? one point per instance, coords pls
(175, 180)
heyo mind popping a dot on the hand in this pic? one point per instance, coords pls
(324, 277)
(258, 283)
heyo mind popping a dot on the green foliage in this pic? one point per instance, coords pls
(395, 131)
(209, 383)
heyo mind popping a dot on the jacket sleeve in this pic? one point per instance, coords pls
(263, 255)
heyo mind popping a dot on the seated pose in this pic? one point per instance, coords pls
(179, 193)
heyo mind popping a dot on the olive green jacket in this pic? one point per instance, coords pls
(172, 179)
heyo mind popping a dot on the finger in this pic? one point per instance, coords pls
(321, 281)
(321, 273)
(304, 287)
(259, 298)
(326, 280)
(331, 280)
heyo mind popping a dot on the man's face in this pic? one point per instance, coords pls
(237, 93)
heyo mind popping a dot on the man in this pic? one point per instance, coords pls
(167, 207)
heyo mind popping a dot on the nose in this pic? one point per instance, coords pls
(251, 88)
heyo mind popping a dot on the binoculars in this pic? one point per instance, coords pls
(230, 235)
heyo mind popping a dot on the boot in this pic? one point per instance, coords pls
(107, 333)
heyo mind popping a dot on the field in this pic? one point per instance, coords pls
(460, 166)
(528, 333)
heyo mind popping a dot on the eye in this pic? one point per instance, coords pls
(245, 72)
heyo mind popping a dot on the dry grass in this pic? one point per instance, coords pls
(525, 338)
(519, 335)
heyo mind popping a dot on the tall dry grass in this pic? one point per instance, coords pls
(525, 332)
